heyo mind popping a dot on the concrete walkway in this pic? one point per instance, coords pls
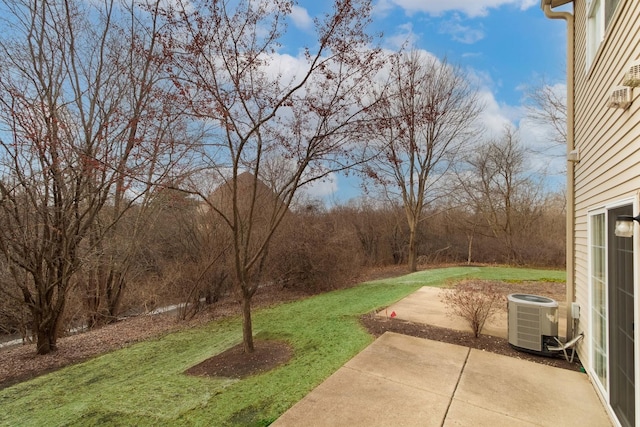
(401, 380)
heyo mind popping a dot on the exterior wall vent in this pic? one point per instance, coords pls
(533, 323)
(574, 156)
(632, 76)
(620, 97)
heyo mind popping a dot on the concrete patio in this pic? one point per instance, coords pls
(406, 381)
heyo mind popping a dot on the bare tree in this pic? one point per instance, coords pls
(269, 129)
(503, 198)
(80, 132)
(428, 114)
(156, 128)
(379, 228)
(547, 106)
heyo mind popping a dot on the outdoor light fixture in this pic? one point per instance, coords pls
(624, 225)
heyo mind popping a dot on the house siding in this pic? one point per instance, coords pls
(608, 139)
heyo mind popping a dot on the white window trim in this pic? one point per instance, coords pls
(596, 16)
(595, 29)
(602, 388)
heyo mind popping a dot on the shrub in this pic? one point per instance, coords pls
(312, 253)
(475, 301)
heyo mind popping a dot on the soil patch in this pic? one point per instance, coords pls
(235, 363)
(379, 325)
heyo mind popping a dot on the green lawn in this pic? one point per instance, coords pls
(145, 385)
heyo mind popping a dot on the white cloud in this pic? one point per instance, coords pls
(382, 8)
(286, 67)
(496, 115)
(471, 8)
(403, 38)
(321, 188)
(540, 138)
(459, 32)
(301, 18)
(526, 4)
(544, 156)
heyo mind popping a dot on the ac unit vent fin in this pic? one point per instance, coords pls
(632, 76)
(620, 97)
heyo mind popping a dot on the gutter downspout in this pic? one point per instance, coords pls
(570, 232)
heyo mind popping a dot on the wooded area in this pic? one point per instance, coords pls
(153, 154)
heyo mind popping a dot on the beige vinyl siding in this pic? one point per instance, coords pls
(608, 139)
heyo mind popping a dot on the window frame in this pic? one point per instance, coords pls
(603, 346)
(604, 210)
(595, 29)
(598, 22)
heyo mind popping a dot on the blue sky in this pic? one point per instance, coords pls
(505, 45)
(509, 45)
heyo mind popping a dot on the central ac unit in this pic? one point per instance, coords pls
(533, 322)
(632, 76)
(620, 97)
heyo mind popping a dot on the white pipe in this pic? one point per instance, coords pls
(570, 234)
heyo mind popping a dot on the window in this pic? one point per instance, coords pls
(599, 14)
(598, 282)
(609, 9)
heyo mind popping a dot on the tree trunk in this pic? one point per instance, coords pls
(114, 292)
(93, 299)
(46, 342)
(247, 330)
(46, 326)
(413, 251)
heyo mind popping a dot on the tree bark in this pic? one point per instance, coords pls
(46, 324)
(413, 251)
(46, 342)
(247, 328)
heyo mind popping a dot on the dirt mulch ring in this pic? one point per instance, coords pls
(235, 363)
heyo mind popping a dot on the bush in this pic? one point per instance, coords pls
(312, 253)
(475, 301)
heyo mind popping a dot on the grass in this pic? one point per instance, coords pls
(144, 384)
